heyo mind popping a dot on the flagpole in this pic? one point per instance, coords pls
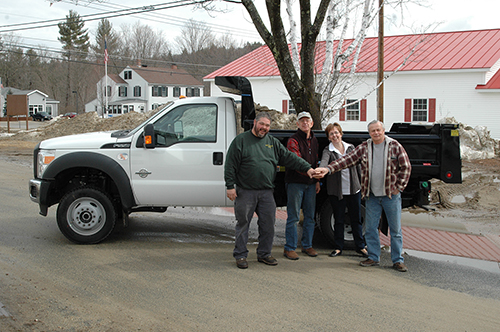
(106, 75)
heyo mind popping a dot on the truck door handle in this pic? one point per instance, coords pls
(218, 158)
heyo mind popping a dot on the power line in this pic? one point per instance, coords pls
(125, 11)
(97, 55)
(215, 27)
(137, 10)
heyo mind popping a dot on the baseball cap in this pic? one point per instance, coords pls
(304, 115)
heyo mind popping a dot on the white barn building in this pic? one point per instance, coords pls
(451, 74)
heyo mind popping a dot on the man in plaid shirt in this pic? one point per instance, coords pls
(385, 172)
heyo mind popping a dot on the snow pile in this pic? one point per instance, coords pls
(475, 143)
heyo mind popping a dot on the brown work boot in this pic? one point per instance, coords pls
(310, 252)
(269, 260)
(400, 267)
(369, 262)
(242, 263)
(291, 255)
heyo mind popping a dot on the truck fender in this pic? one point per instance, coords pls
(99, 162)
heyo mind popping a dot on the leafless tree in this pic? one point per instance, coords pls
(195, 36)
(309, 90)
(142, 42)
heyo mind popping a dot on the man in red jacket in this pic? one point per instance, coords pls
(301, 189)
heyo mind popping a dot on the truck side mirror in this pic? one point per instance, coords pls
(149, 136)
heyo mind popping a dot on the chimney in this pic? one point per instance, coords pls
(139, 63)
(173, 66)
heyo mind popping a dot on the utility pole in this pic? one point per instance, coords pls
(76, 97)
(380, 72)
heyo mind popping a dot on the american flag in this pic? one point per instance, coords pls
(106, 56)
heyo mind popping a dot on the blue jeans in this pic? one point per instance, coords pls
(353, 204)
(392, 209)
(262, 203)
(300, 196)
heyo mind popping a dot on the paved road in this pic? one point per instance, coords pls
(174, 272)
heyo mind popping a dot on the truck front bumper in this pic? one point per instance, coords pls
(38, 190)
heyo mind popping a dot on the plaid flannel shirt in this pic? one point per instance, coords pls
(398, 169)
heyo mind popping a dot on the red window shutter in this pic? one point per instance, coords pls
(342, 113)
(432, 110)
(362, 111)
(284, 106)
(407, 110)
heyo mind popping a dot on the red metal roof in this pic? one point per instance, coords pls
(493, 83)
(478, 49)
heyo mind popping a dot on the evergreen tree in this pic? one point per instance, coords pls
(75, 40)
(74, 37)
(105, 31)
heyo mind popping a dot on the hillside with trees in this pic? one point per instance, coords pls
(70, 75)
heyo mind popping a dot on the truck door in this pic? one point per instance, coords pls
(186, 166)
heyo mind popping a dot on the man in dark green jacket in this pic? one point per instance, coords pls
(249, 172)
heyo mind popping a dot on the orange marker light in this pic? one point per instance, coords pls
(48, 159)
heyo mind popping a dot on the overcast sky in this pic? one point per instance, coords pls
(453, 15)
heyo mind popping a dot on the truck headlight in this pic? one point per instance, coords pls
(45, 157)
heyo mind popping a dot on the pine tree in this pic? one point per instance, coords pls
(75, 40)
(105, 31)
(74, 37)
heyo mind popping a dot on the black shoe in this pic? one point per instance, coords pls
(335, 253)
(364, 254)
(269, 260)
(242, 263)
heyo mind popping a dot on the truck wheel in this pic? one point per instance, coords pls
(86, 215)
(327, 224)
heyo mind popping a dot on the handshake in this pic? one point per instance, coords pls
(317, 173)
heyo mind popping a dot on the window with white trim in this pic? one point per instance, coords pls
(352, 111)
(177, 91)
(192, 92)
(122, 91)
(159, 91)
(127, 75)
(137, 91)
(419, 110)
(291, 108)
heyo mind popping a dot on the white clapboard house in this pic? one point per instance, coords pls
(450, 74)
(141, 88)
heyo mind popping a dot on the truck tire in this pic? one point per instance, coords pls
(86, 215)
(327, 225)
